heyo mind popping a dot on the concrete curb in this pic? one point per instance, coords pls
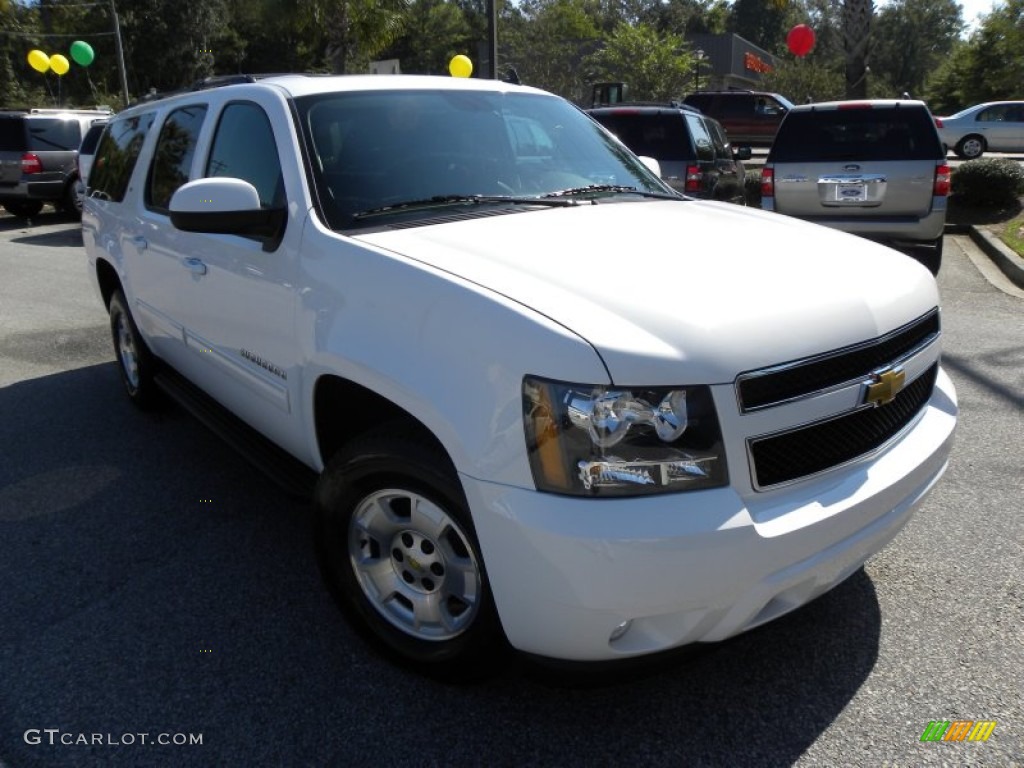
(1001, 254)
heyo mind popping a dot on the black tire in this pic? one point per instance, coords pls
(135, 362)
(930, 256)
(71, 205)
(393, 502)
(970, 147)
(24, 208)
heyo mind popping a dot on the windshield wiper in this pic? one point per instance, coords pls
(616, 188)
(443, 200)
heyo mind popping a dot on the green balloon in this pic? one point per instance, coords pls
(82, 53)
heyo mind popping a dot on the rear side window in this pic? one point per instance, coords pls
(172, 157)
(718, 139)
(116, 157)
(879, 133)
(53, 135)
(12, 134)
(661, 136)
(701, 138)
(244, 148)
(91, 139)
(1000, 113)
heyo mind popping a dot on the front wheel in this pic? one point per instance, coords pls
(970, 147)
(135, 362)
(398, 550)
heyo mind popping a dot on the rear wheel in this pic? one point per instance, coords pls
(970, 147)
(398, 550)
(71, 205)
(26, 208)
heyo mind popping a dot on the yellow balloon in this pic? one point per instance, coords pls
(460, 66)
(59, 64)
(38, 60)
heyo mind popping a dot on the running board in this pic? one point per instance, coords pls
(294, 477)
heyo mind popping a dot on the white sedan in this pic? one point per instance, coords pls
(996, 126)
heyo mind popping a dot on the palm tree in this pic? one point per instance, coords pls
(357, 29)
(857, 15)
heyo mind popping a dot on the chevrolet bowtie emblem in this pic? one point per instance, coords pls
(884, 386)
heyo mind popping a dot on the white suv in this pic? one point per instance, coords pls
(541, 399)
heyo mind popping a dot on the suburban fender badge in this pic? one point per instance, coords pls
(884, 386)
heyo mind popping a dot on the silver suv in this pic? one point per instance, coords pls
(873, 168)
(38, 154)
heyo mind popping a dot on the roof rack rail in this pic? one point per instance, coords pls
(214, 81)
(65, 110)
(672, 104)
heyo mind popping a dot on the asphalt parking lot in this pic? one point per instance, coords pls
(154, 583)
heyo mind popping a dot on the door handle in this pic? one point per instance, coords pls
(195, 266)
(140, 242)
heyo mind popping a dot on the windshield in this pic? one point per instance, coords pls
(784, 101)
(386, 149)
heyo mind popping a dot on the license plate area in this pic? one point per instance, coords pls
(853, 191)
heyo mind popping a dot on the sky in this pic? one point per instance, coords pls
(974, 8)
(971, 10)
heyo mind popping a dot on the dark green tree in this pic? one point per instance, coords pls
(355, 31)
(910, 39)
(764, 23)
(435, 31)
(169, 44)
(656, 67)
(988, 66)
(546, 41)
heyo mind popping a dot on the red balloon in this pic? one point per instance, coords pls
(800, 40)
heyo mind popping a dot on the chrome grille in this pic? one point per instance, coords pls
(789, 381)
(810, 449)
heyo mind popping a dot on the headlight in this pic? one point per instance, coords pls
(614, 441)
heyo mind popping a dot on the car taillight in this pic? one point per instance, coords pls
(938, 122)
(693, 178)
(767, 182)
(30, 163)
(941, 180)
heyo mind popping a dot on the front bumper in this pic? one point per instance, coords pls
(703, 566)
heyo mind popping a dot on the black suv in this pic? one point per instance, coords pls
(692, 149)
(750, 117)
(38, 154)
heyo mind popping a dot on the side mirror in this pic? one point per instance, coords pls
(742, 153)
(225, 206)
(652, 165)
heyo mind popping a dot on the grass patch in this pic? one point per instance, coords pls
(1013, 235)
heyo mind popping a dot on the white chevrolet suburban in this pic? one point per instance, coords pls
(543, 400)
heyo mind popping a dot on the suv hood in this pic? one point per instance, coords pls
(681, 292)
